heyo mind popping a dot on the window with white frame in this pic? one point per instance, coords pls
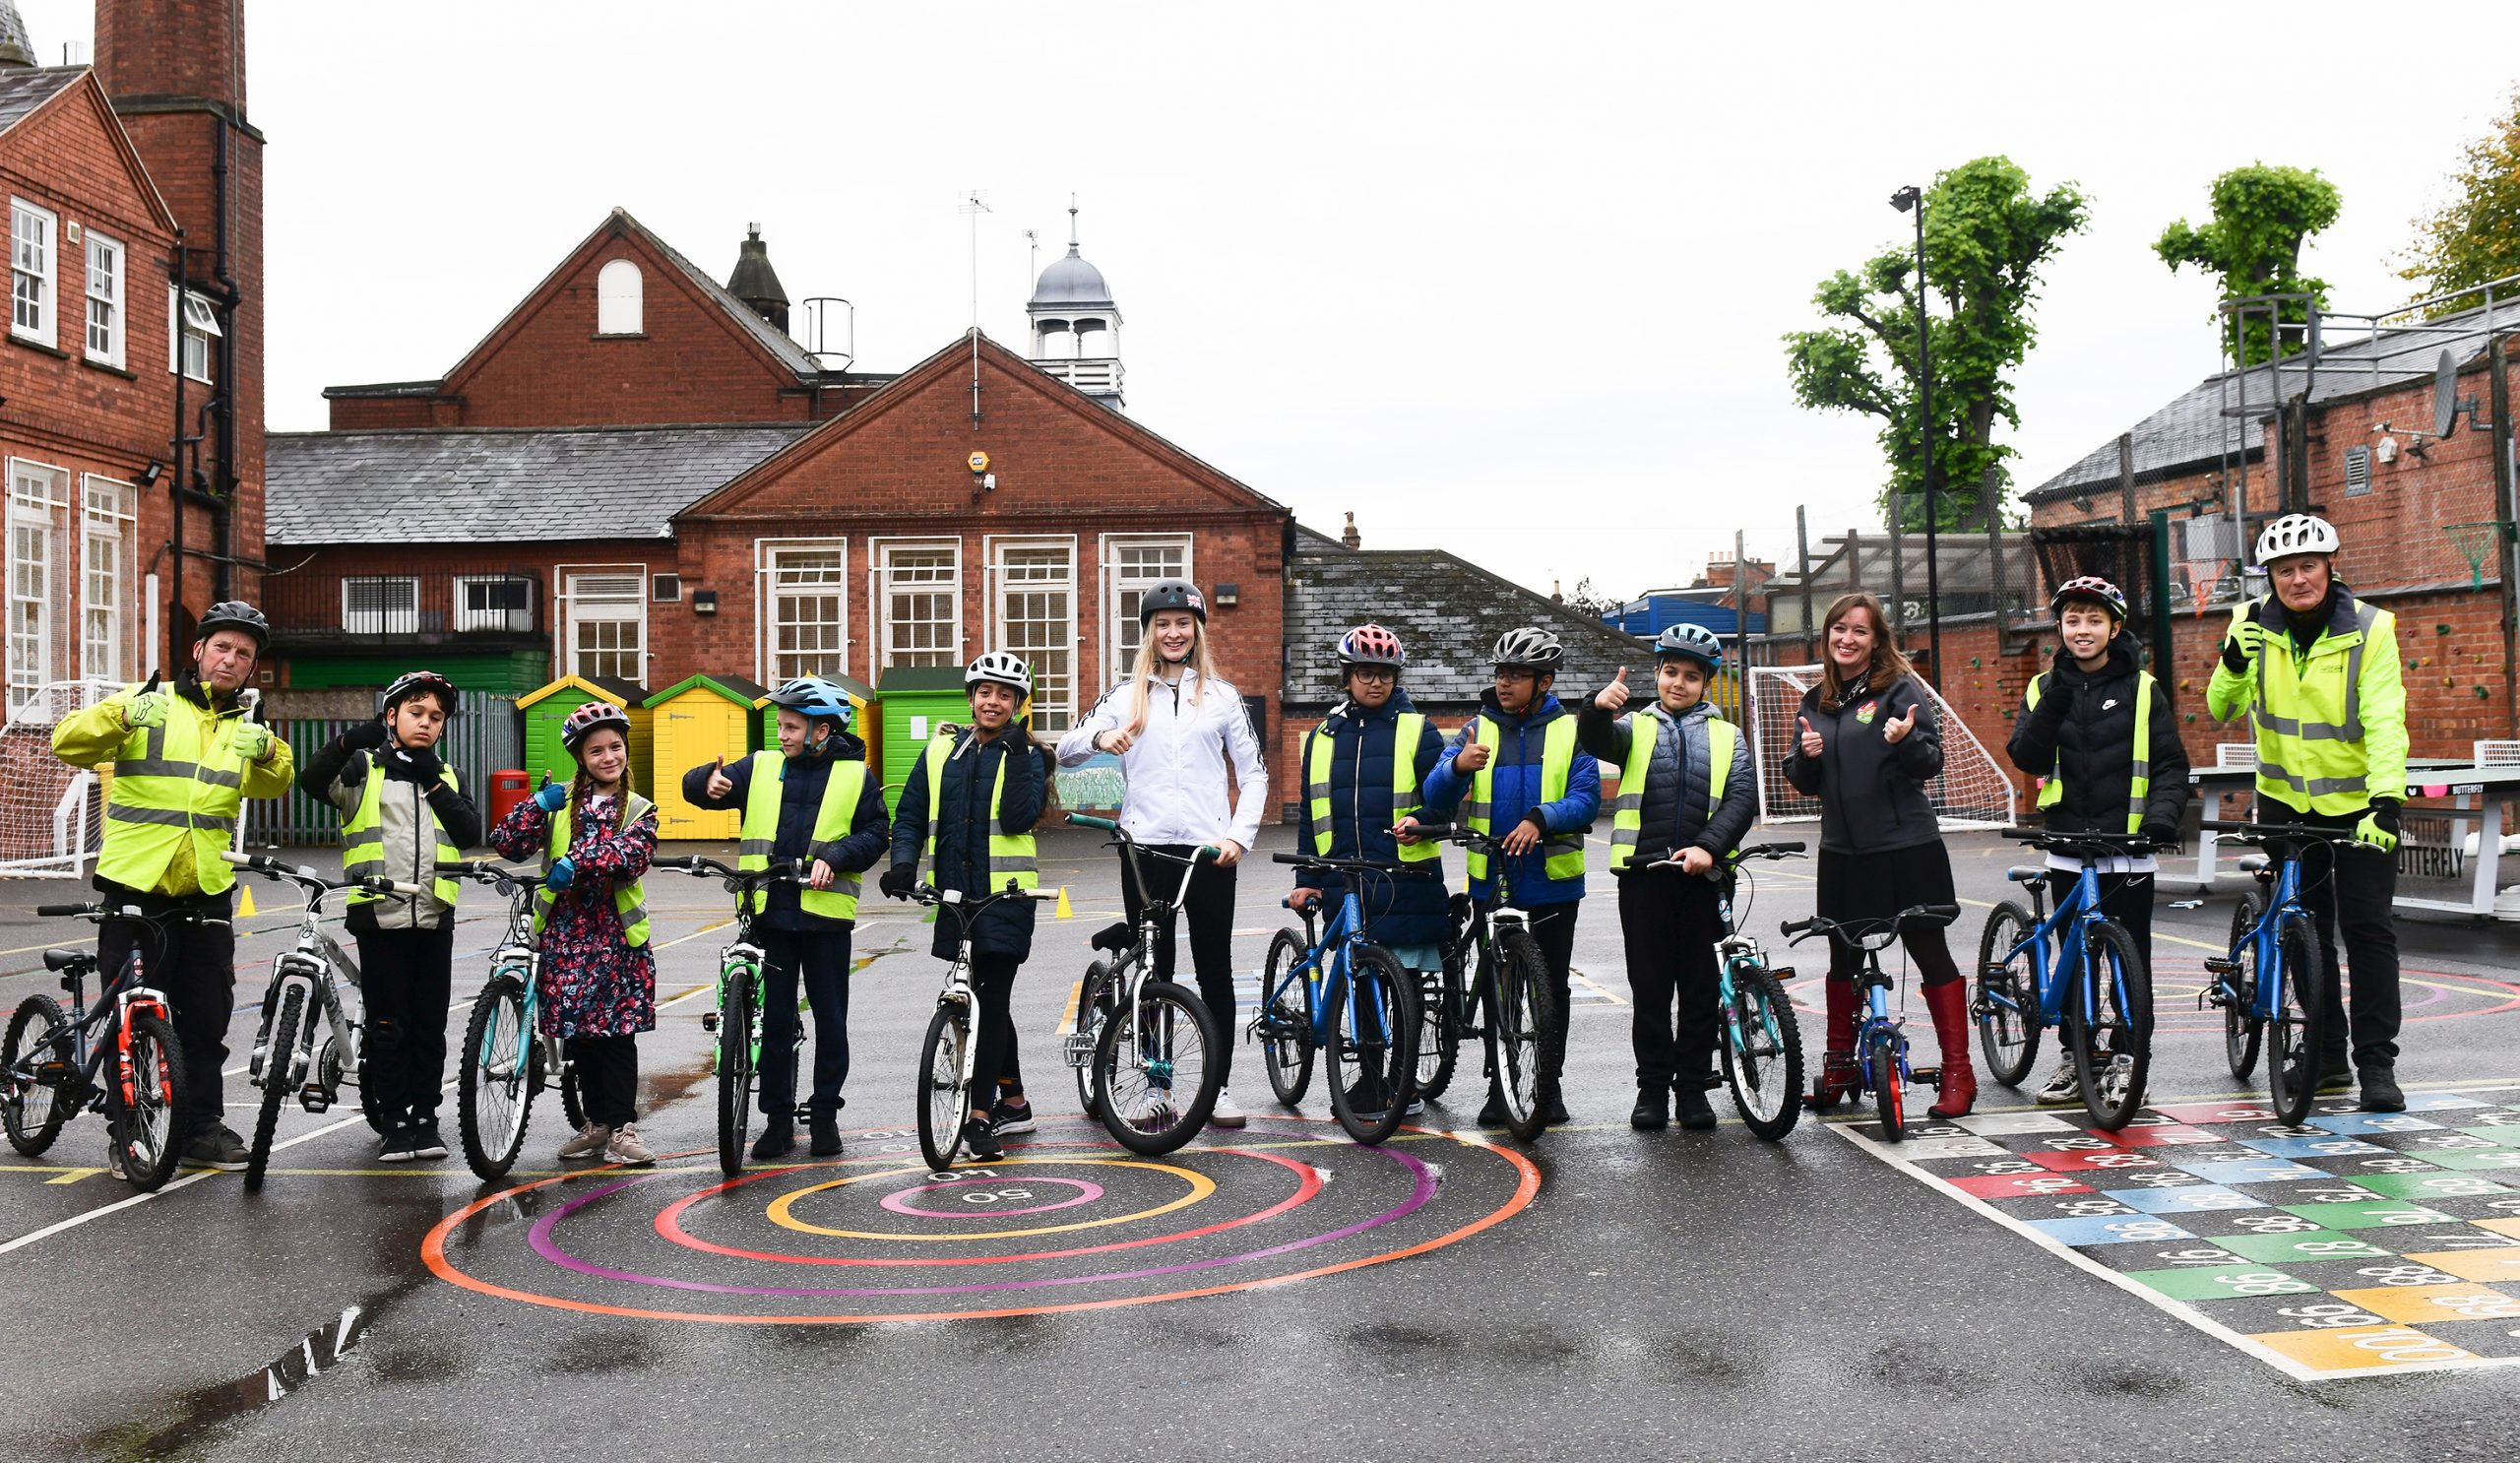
(104, 299)
(608, 625)
(190, 323)
(36, 495)
(920, 597)
(106, 526)
(805, 608)
(31, 269)
(381, 605)
(1133, 565)
(1035, 614)
(500, 602)
(621, 292)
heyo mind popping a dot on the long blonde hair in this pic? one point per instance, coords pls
(1889, 663)
(1142, 674)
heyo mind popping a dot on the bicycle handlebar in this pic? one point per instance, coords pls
(1083, 820)
(68, 911)
(2115, 843)
(2260, 832)
(305, 877)
(780, 871)
(930, 894)
(1316, 862)
(1801, 929)
(1203, 854)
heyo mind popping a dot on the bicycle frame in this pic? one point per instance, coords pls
(1331, 954)
(2062, 932)
(1739, 949)
(2283, 901)
(122, 1000)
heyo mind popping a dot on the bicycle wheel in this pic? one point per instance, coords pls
(1889, 1085)
(1156, 1050)
(1372, 1061)
(1762, 1046)
(2292, 1057)
(944, 1102)
(278, 1058)
(1285, 1023)
(1092, 1008)
(1438, 1031)
(2243, 1028)
(2108, 1026)
(495, 1082)
(737, 1040)
(32, 1111)
(148, 1125)
(573, 1102)
(2007, 1008)
(1524, 1011)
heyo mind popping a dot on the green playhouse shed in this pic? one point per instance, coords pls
(545, 709)
(695, 721)
(912, 702)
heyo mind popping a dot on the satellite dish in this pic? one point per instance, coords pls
(2445, 394)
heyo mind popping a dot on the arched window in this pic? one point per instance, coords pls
(618, 290)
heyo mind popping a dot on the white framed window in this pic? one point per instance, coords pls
(105, 329)
(802, 595)
(31, 251)
(1132, 564)
(1032, 612)
(621, 299)
(919, 602)
(502, 603)
(607, 623)
(37, 495)
(381, 605)
(106, 526)
(190, 323)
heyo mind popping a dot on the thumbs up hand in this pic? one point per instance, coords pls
(719, 785)
(1812, 745)
(1614, 697)
(1896, 731)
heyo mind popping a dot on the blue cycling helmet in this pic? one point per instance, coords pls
(1697, 642)
(814, 698)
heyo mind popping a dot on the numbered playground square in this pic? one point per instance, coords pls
(2355, 1245)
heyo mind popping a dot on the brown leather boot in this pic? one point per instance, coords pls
(1949, 1003)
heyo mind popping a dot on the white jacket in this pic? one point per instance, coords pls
(1176, 769)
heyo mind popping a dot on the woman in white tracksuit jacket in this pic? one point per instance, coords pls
(1177, 728)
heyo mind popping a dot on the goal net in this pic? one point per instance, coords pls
(51, 814)
(1973, 791)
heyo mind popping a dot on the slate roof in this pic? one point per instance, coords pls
(473, 485)
(787, 350)
(1447, 613)
(2190, 431)
(24, 88)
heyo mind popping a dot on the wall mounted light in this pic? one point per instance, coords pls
(704, 601)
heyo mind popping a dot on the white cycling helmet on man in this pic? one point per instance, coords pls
(2295, 532)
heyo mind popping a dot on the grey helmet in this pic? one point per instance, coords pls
(1530, 647)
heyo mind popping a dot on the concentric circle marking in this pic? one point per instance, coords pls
(781, 1210)
(987, 1197)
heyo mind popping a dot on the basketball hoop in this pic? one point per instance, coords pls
(2478, 541)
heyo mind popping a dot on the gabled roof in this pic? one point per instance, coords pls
(1447, 612)
(24, 88)
(476, 486)
(25, 92)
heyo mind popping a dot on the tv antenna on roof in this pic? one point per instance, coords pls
(974, 204)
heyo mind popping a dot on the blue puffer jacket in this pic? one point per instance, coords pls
(1406, 909)
(1516, 794)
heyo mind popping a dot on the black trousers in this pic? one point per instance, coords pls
(2355, 891)
(821, 959)
(407, 980)
(1552, 928)
(2126, 898)
(1209, 910)
(193, 960)
(608, 1077)
(1670, 923)
(993, 987)
(1875, 886)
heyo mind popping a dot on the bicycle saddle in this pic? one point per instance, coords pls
(62, 960)
(2023, 873)
(2254, 862)
(1113, 937)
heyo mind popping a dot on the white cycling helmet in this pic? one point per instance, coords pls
(1003, 666)
(2295, 532)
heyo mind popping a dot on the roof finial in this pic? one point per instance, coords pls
(1071, 223)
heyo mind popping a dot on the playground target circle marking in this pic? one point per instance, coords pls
(1388, 1203)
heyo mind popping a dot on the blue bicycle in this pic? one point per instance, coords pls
(1880, 1040)
(1336, 990)
(2075, 970)
(2270, 979)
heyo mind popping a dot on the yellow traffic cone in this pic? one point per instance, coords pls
(1063, 912)
(244, 900)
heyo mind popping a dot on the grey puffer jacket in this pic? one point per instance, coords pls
(1675, 813)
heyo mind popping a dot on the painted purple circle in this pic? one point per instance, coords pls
(899, 1202)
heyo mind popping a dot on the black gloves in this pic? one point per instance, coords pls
(2161, 833)
(422, 765)
(367, 735)
(2384, 812)
(898, 880)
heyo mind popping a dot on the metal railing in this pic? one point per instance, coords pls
(484, 737)
(429, 605)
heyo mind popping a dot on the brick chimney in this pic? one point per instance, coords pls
(1349, 534)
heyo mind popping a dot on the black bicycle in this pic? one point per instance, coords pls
(54, 1063)
(1512, 986)
(1143, 1048)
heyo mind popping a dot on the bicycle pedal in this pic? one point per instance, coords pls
(708, 1021)
(1925, 1076)
(2222, 964)
(315, 1100)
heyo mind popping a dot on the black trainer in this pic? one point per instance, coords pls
(776, 1141)
(1008, 1118)
(216, 1147)
(1491, 1113)
(2336, 1074)
(1557, 1114)
(1689, 1106)
(2380, 1091)
(425, 1140)
(1653, 1109)
(826, 1143)
(980, 1141)
(396, 1147)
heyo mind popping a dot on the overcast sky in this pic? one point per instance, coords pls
(1504, 279)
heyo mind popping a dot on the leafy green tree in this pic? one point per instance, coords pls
(1987, 234)
(2261, 216)
(2475, 237)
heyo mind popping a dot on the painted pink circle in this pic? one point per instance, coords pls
(900, 1204)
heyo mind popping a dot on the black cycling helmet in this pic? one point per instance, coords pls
(422, 682)
(1171, 593)
(234, 614)
(1530, 648)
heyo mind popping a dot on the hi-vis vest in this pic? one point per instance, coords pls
(629, 896)
(2304, 761)
(1627, 811)
(1010, 855)
(1406, 798)
(187, 782)
(363, 841)
(2140, 788)
(834, 820)
(1565, 850)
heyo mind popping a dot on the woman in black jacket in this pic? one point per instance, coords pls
(1866, 742)
(2089, 727)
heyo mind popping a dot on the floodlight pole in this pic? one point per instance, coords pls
(1911, 200)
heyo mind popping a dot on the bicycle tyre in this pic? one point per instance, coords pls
(1285, 1023)
(490, 1111)
(1439, 1031)
(1093, 1008)
(2292, 1055)
(2243, 1030)
(573, 1102)
(736, 1043)
(1524, 1010)
(1889, 1083)
(1177, 1017)
(158, 1069)
(943, 1097)
(32, 1111)
(1382, 1038)
(1762, 1049)
(2007, 1020)
(278, 1058)
(2115, 1001)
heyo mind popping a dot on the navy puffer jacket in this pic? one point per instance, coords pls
(1406, 909)
(800, 804)
(961, 813)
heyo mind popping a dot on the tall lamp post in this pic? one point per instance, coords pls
(1910, 200)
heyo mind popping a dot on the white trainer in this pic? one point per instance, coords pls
(625, 1147)
(1224, 1113)
(2063, 1088)
(587, 1143)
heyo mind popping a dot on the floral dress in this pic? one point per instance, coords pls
(593, 983)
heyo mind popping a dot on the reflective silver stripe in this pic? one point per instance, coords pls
(218, 778)
(168, 817)
(157, 767)
(2312, 787)
(753, 848)
(1478, 813)
(1627, 803)
(1010, 863)
(2366, 617)
(1623, 837)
